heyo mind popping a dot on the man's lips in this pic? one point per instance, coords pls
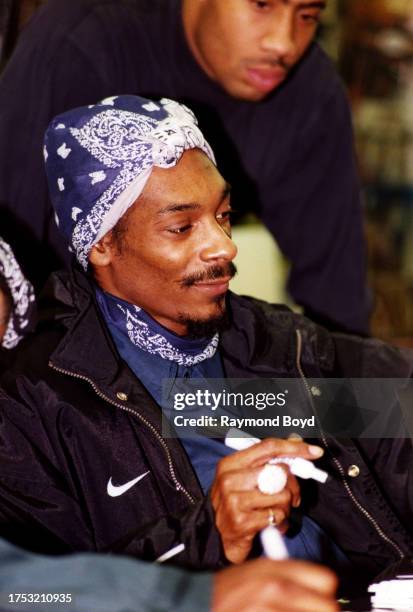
(266, 79)
(217, 286)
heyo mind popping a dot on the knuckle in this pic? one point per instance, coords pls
(232, 504)
(238, 521)
(270, 444)
(273, 589)
(225, 483)
(236, 526)
(330, 579)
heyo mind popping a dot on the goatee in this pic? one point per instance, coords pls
(206, 328)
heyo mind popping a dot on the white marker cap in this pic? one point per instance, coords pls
(272, 479)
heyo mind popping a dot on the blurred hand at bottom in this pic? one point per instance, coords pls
(274, 586)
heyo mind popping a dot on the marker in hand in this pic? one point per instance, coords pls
(273, 544)
(239, 440)
(271, 480)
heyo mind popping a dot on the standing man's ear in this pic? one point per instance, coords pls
(102, 252)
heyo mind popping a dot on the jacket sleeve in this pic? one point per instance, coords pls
(101, 582)
(193, 531)
(44, 506)
(384, 374)
(39, 510)
(322, 234)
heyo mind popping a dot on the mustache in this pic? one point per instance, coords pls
(273, 62)
(214, 272)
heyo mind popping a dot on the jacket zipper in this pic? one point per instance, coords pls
(336, 461)
(178, 485)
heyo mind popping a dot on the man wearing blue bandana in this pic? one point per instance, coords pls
(268, 100)
(145, 213)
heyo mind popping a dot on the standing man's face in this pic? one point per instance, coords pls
(249, 46)
(175, 256)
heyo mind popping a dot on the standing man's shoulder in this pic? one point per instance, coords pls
(108, 19)
(318, 76)
(85, 50)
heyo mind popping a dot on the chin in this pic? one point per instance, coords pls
(243, 91)
(206, 326)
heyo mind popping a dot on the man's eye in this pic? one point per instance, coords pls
(260, 4)
(180, 230)
(225, 216)
(312, 19)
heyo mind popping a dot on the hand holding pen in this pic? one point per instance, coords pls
(241, 509)
(273, 479)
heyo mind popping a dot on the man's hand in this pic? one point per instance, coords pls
(241, 510)
(274, 586)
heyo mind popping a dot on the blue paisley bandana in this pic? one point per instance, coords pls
(143, 331)
(99, 159)
(22, 295)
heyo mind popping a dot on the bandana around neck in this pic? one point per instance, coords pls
(144, 332)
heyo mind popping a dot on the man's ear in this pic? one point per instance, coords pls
(102, 252)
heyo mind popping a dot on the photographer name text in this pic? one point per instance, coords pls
(223, 420)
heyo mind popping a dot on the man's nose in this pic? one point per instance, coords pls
(279, 38)
(218, 245)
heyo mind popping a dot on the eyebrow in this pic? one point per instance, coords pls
(173, 208)
(320, 4)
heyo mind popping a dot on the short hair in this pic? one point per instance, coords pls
(118, 233)
(117, 237)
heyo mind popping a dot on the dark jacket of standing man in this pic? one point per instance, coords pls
(268, 100)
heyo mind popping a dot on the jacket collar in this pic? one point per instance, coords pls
(86, 333)
(262, 340)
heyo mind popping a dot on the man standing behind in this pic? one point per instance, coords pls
(268, 99)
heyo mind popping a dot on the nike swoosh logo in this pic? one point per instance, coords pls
(114, 491)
